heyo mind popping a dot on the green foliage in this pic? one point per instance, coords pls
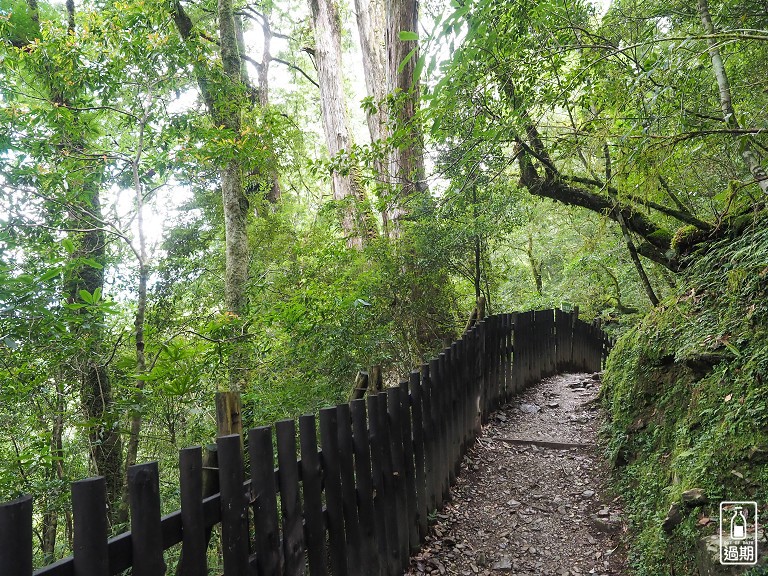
(686, 393)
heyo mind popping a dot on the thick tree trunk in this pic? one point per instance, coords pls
(87, 236)
(235, 205)
(225, 108)
(748, 152)
(370, 22)
(656, 243)
(96, 388)
(347, 187)
(406, 159)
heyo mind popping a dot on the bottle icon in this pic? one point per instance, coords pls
(738, 524)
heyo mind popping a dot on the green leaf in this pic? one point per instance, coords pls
(69, 246)
(86, 296)
(406, 60)
(407, 35)
(92, 263)
(419, 68)
(50, 274)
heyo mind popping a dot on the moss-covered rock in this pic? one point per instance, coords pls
(687, 395)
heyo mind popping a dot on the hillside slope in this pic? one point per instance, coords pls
(687, 394)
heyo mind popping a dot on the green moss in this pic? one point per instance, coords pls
(685, 237)
(660, 237)
(687, 398)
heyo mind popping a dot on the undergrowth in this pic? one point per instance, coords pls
(687, 400)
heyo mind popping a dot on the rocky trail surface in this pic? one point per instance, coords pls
(532, 508)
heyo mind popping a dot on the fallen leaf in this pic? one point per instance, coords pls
(728, 398)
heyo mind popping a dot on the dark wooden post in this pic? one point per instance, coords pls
(16, 537)
(146, 534)
(419, 454)
(228, 414)
(331, 474)
(290, 501)
(430, 439)
(91, 528)
(398, 472)
(234, 506)
(456, 443)
(193, 561)
(382, 500)
(406, 426)
(264, 501)
(438, 423)
(376, 381)
(388, 487)
(348, 493)
(311, 477)
(360, 387)
(364, 482)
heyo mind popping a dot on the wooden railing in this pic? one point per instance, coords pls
(358, 504)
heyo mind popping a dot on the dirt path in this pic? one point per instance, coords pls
(532, 509)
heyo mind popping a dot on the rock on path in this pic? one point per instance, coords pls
(529, 509)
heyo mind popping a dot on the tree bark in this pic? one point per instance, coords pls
(225, 108)
(370, 22)
(347, 187)
(656, 239)
(406, 158)
(96, 387)
(535, 266)
(748, 153)
(87, 236)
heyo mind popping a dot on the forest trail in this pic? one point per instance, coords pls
(521, 508)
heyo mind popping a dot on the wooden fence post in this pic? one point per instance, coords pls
(290, 501)
(385, 525)
(228, 414)
(430, 442)
(364, 482)
(419, 455)
(264, 501)
(16, 537)
(91, 530)
(331, 474)
(398, 472)
(406, 424)
(234, 506)
(193, 561)
(311, 478)
(348, 494)
(146, 535)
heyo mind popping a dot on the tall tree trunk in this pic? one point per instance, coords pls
(273, 195)
(748, 153)
(96, 388)
(406, 159)
(535, 266)
(225, 108)
(347, 187)
(85, 274)
(56, 474)
(132, 448)
(370, 22)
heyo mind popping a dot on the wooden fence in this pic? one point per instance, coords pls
(357, 504)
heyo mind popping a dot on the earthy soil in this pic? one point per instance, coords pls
(520, 508)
